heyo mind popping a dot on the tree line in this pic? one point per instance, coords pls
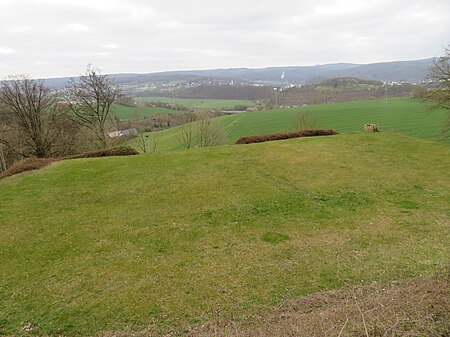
(36, 121)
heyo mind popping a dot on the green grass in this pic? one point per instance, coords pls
(168, 240)
(410, 117)
(139, 112)
(198, 103)
(402, 115)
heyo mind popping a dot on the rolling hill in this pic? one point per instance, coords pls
(161, 243)
(409, 71)
(406, 116)
(125, 112)
(198, 103)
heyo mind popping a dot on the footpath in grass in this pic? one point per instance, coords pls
(162, 242)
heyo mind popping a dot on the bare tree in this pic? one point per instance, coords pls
(148, 143)
(186, 130)
(155, 138)
(4, 129)
(209, 132)
(142, 142)
(90, 99)
(440, 74)
(2, 159)
(305, 121)
(29, 111)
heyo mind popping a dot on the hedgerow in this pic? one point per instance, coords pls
(285, 135)
(115, 151)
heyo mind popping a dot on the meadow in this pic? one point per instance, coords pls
(125, 112)
(406, 116)
(167, 241)
(197, 103)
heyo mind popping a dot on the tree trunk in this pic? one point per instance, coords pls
(2, 160)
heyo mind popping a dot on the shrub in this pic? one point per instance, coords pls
(115, 151)
(29, 164)
(285, 135)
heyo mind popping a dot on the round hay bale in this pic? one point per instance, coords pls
(371, 128)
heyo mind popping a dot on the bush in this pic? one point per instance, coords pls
(29, 164)
(115, 151)
(284, 135)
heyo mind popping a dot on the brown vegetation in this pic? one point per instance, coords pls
(371, 128)
(148, 143)
(28, 118)
(420, 307)
(305, 121)
(209, 132)
(337, 91)
(440, 74)
(285, 135)
(186, 130)
(115, 151)
(29, 164)
(251, 93)
(35, 121)
(90, 99)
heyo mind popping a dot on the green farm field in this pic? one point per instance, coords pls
(125, 112)
(160, 243)
(198, 103)
(406, 116)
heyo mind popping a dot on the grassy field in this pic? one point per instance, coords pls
(139, 112)
(198, 103)
(165, 241)
(405, 116)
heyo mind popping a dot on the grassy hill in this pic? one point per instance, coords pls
(125, 112)
(164, 241)
(198, 103)
(401, 115)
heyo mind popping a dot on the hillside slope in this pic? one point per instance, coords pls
(161, 242)
(401, 115)
(410, 71)
(125, 112)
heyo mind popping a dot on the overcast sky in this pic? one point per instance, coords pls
(49, 38)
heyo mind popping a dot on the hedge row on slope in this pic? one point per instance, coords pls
(113, 152)
(32, 164)
(28, 164)
(285, 135)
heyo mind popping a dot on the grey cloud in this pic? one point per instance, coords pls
(56, 38)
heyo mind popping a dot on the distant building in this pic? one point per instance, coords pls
(123, 133)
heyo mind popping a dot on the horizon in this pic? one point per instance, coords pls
(232, 68)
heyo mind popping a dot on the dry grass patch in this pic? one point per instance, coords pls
(420, 307)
